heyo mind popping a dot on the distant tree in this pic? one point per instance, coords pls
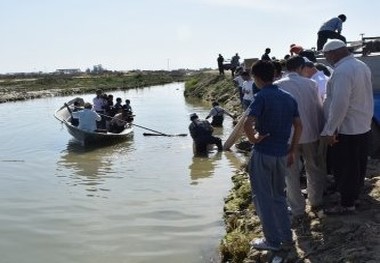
(98, 69)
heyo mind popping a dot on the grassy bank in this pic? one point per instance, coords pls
(22, 88)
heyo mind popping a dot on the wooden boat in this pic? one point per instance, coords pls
(63, 114)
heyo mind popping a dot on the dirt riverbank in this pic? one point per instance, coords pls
(318, 238)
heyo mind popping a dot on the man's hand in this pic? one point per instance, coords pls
(258, 137)
(330, 140)
(290, 159)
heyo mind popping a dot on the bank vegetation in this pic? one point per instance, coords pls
(30, 86)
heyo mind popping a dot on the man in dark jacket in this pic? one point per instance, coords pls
(201, 132)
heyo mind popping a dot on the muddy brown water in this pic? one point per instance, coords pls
(144, 200)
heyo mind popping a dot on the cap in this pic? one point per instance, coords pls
(333, 44)
(295, 49)
(193, 116)
(308, 63)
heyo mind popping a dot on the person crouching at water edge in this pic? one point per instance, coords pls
(201, 132)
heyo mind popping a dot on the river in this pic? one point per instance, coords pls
(144, 200)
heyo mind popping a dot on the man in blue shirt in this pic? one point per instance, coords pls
(331, 29)
(271, 117)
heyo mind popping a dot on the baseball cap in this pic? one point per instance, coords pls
(308, 63)
(193, 116)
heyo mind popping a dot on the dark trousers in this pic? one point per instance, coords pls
(350, 165)
(324, 35)
(217, 121)
(221, 69)
(201, 144)
(102, 123)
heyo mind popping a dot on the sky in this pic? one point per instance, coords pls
(45, 35)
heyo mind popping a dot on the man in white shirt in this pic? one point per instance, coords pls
(310, 71)
(247, 89)
(350, 107)
(87, 118)
(305, 92)
(99, 106)
(238, 82)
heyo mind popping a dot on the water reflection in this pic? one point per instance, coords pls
(90, 166)
(203, 167)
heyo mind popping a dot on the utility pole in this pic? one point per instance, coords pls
(168, 64)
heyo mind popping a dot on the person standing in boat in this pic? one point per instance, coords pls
(100, 103)
(87, 118)
(217, 114)
(201, 132)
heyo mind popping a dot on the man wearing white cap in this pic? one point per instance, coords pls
(349, 101)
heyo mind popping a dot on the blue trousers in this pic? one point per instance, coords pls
(267, 175)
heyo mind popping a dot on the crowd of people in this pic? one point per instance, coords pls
(305, 114)
(103, 115)
(308, 114)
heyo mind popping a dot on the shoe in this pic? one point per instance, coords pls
(316, 208)
(262, 244)
(340, 210)
(286, 246)
(297, 221)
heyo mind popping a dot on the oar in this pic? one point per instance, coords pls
(169, 135)
(158, 133)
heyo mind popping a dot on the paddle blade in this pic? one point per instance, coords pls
(153, 134)
(181, 135)
(167, 135)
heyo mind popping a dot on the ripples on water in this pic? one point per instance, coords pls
(144, 200)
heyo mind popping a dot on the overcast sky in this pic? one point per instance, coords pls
(44, 35)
